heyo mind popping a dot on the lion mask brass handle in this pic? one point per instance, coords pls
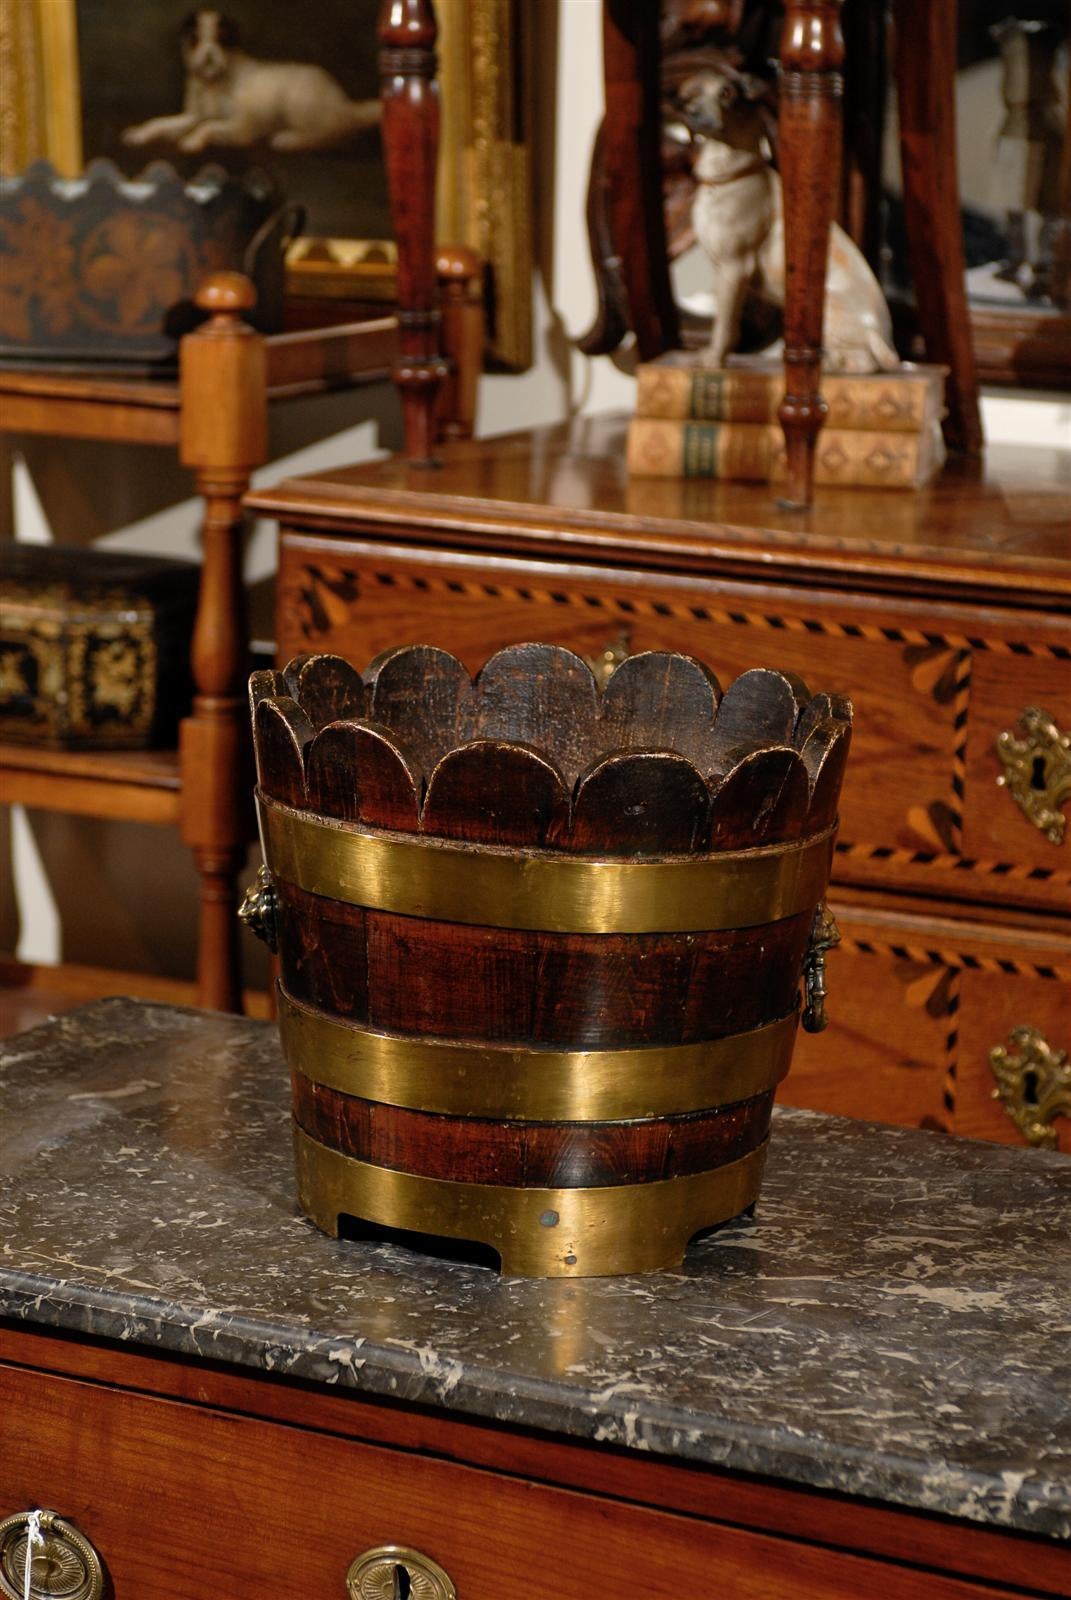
(63, 1563)
(1033, 1083)
(395, 1572)
(1037, 770)
(259, 911)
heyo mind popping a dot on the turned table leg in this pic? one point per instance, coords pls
(632, 153)
(223, 437)
(925, 89)
(410, 96)
(812, 53)
(460, 276)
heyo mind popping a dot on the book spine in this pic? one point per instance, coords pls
(755, 453)
(890, 405)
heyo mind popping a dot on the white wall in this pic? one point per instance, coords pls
(123, 895)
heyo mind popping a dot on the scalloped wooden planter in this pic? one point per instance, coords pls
(541, 945)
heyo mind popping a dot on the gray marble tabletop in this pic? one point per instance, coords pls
(895, 1323)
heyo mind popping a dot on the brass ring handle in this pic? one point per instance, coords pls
(397, 1572)
(1036, 758)
(1033, 1083)
(63, 1565)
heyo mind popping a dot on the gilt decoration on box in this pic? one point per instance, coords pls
(104, 268)
(94, 646)
(541, 942)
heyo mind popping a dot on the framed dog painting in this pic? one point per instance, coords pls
(294, 93)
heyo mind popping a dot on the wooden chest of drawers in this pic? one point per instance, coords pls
(260, 1488)
(945, 615)
(862, 1390)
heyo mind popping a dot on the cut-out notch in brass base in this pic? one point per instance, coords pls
(537, 1233)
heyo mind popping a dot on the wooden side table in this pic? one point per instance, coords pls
(216, 416)
(812, 60)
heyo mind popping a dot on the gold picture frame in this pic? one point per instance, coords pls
(484, 161)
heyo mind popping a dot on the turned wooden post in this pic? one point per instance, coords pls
(632, 144)
(224, 435)
(812, 53)
(410, 95)
(460, 274)
(925, 37)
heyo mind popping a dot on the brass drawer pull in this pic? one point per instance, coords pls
(1034, 1084)
(395, 1572)
(63, 1563)
(1037, 770)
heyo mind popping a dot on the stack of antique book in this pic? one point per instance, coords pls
(882, 429)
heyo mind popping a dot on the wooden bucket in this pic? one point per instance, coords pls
(540, 943)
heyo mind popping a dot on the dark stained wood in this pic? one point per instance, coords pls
(356, 772)
(328, 688)
(631, 139)
(761, 704)
(410, 97)
(925, 88)
(281, 733)
(763, 799)
(730, 1501)
(323, 957)
(660, 700)
(425, 697)
(514, 986)
(809, 137)
(543, 695)
(825, 753)
(529, 1154)
(643, 803)
(495, 793)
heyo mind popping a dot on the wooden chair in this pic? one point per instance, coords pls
(812, 63)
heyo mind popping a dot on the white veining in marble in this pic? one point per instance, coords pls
(895, 1323)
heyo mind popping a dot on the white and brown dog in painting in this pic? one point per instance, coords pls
(234, 99)
(737, 217)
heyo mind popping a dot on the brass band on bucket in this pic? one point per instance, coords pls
(416, 876)
(520, 1084)
(546, 1233)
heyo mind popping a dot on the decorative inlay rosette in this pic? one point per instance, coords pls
(541, 936)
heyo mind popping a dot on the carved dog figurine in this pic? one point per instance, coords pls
(234, 99)
(737, 216)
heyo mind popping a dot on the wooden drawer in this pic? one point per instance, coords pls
(916, 1003)
(933, 684)
(188, 1503)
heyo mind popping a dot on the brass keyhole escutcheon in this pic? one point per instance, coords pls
(1033, 1083)
(397, 1572)
(1036, 758)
